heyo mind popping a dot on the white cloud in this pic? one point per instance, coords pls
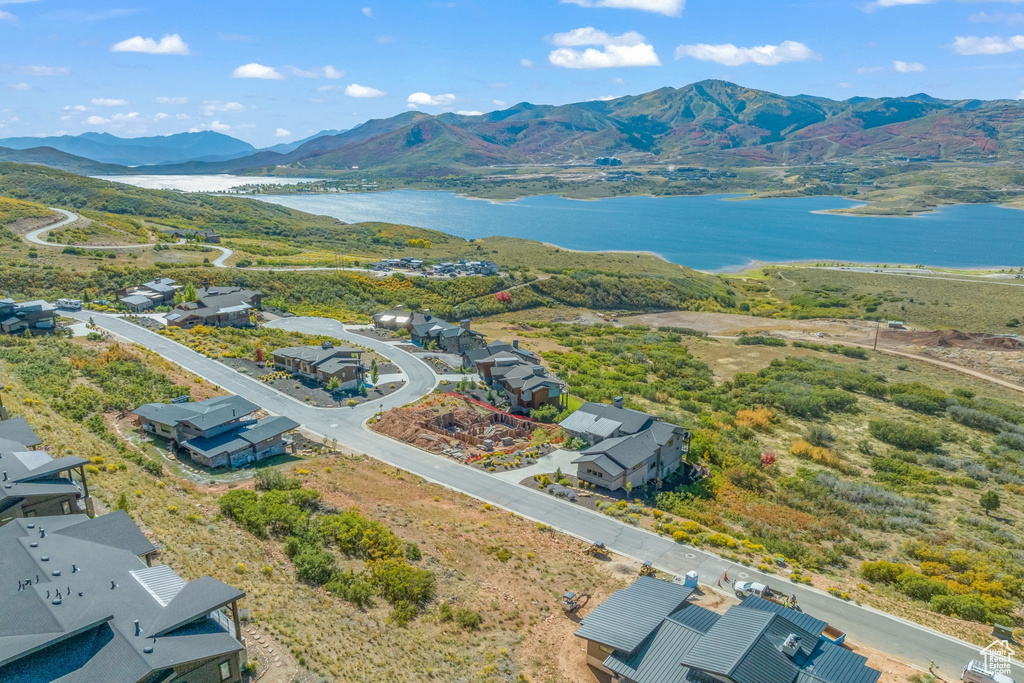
(498, 103)
(213, 125)
(254, 70)
(171, 100)
(34, 70)
(282, 133)
(606, 98)
(211, 106)
(1015, 19)
(7, 16)
(671, 8)
(168, 45)
(160, 116)
(591, 36)
(77, 107)
(870, 69)
(526, 63)
(422, 99)
(17, 86)
(907, 67)
(871, 6)
(327, 71)
(97, 121)
(626, 50)
(328, 88)
(356, 90)
(107, 102)
(470, 113)
(130, 116)
(989, 45)
(728, 54)
(182, 117)
(367, 11)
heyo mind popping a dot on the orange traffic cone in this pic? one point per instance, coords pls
(727, 577)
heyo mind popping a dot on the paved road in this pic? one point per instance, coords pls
(889, 634)
(36, 235)
(225, 254)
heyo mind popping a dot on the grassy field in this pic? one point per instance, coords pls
(922, 301)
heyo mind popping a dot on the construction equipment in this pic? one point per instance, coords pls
(598, 549)
(647, 570)
(572, 601)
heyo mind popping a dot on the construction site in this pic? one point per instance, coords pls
(467, 432)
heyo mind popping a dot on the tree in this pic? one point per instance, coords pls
(374, 373)
(362, 389)
(261, 357)
(333, 384)
(124, 504)
(189, 294)
(990, 502)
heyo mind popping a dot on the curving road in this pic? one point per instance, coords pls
(35, 235)
(884, 632)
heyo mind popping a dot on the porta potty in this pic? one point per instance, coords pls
(690, 579)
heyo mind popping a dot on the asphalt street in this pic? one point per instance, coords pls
(902, 639)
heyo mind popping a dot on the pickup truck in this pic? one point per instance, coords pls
(975, 672)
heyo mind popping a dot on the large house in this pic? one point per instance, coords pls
(217, 432)
(651, 633)
(79, 603)
(159, 292)
(217, 307)
(323, 363)
(627, 446)
(429, 331)
(211, 236)
(518, 374)
(34, 484)
(36, 316)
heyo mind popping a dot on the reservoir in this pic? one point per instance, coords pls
(706, 232)
(712, 233)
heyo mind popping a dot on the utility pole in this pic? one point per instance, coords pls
(878, 325)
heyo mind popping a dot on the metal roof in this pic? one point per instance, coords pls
(18, 429)
(831, 663)
(803, 620)
(629, 616)
(695, 617)
(585, 423)
(115, 530)
(729, 641)
(632, 421)
(161, 582)
(657, 661)
(204, 414)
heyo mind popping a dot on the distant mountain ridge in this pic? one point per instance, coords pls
(710, 123)
(105, 148)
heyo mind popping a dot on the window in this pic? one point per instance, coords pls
(65, 507)
(225, 671)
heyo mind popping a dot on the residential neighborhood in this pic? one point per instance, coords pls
(651, 632)
(429, 331)
(159, 292)
(518, 374)
(217, 432)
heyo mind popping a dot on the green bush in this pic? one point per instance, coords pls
(920, 587)
(468, 619)
(756, 340)
(882, 571)
(314, 565)
(903, 435)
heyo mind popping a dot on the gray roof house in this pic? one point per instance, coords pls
(32, 483)
(323, 363)
(18, 429)
(216, 307)
(156, 292)
(629, 448)
(216, 432)
(425, 328)
(16, 317)
(79, 604)
(649, 633)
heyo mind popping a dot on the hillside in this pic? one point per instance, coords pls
(54, 158)
(204, 145)
(711, 123)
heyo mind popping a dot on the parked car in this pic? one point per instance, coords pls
(974, 672)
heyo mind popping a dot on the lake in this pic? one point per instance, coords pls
(197, 183)
(710, 233)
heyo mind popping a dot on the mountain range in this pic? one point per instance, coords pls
(711, 123)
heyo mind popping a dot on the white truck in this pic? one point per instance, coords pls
(746, 588)
(974, 672)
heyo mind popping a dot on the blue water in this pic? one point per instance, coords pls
(707, 232)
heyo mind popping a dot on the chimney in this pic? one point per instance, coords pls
(327, 345)
(112, 585)
(465, 324)
(399, 307)
(426, 313)
(617, 402)
(538, 370)
(137, 629)
(791, 646)
(515, 343)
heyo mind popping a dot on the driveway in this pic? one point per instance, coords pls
(545, 465)
(900, 638)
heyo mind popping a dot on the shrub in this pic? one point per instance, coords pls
(758, 419)
(882, 571)
(468, 619)
(970, 607)
(903, 435)
(920, 587)
(756, 340)
(819, 435)
(314, 565)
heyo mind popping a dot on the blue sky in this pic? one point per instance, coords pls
(270, 72)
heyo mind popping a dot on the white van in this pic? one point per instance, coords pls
(974, 672)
